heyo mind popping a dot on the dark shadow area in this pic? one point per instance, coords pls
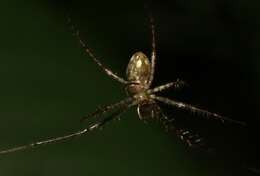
(212, 45)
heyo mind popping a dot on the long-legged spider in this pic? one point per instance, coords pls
(139, 77)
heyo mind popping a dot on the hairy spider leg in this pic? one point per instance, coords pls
(194, 109)
(176, 85)
(105, 109)
(186, 136)
(91, 127)
(153, 53)
(108, 71)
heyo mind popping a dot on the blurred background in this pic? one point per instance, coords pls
(48, 83)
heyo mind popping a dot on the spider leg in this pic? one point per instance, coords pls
(153, 53)
(108, 71)
(91, 127)
(108, 108)
(186, 136)
(194, 109)
(189, 138)
(177, 84)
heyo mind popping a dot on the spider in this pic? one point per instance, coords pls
(139, 77)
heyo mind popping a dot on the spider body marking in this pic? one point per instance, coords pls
(140, 75)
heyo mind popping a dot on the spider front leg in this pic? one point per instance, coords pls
(108, 71)
(194, 109)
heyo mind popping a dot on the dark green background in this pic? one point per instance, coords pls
(48, 83)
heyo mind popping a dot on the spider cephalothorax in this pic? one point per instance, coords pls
(139, 74)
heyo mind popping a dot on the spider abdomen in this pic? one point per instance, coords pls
(139, 69)
(138, 73)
